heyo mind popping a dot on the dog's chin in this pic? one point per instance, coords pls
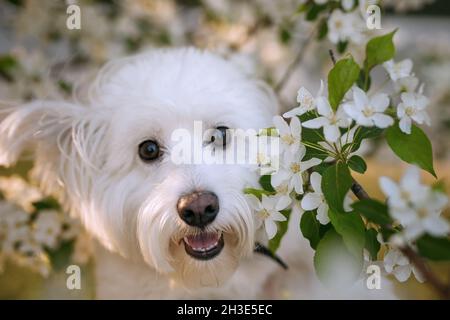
(206, 259)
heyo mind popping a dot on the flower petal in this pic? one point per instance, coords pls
(294, 112)
(360, 98)
(311, 201)
(379, 102)
(316, 123)
(436, 226)
(271, 228)
(305, 165)
(405, 125)
(402, 273)
(296, 127)
(382, 120)
(323, 107)
(283, 202)
(331, 133)
(281, 125)
(316, 182)
(253, 201)
(276, 216)
(388, 186)
(267, 202)
(322, 214)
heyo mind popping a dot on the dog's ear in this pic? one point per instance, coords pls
(64, 137)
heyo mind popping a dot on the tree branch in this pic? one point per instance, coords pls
(442, 289)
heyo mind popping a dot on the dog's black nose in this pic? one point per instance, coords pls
(198, 209)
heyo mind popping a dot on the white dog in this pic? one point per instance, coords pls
(166, 230)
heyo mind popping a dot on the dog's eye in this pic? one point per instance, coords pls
(220, 136)
(149, 150)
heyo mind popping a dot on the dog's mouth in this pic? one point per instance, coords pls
(204, 245)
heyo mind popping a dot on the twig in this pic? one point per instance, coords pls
(414, 258)
(331, 53)
(431, 278)
(293, 66)
(359, 191)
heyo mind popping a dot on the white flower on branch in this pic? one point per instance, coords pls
(396, 263)
(290, 135)
(316, 200)
(411, 108)
(406, 84)
(284, 192)
(416, 206)
(292, 169)
(306, 102)
(346, 27)
(47, 228)
(268, 211)
(369, 112)
(398, 70)
(330, 121)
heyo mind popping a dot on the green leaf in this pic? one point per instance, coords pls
(334, 264)
(372, 245)
(314, 11)
(414, 148)
(7, 65)
(256, 192)
(46, 203)
(265, 182)
(285, 35)
(340, 80)
(274, 243)
(373, 210)
(61, 257)
(342, 46)
(336, 181)
(310, 228)
(323, 29)
(361, 82)
(351, 228)
(437, 249)
(357, 164)
(379, 49)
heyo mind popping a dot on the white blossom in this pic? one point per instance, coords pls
(415, 206)
(345, 27)
(292, 169)
(290, 135)
(399, 265)
(316, 199)
(47, 228)
(369, 112)
(268, 211)
(411, 108)
(306, 102)
(406, 84)
(398, 70)
(330, 121)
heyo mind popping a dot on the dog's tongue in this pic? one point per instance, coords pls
(204, 240)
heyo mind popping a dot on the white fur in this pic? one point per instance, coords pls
(86, 153)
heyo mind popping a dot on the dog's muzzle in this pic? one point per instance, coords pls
(198, 209)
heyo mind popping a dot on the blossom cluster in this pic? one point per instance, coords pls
(320, 145)
(32, 228)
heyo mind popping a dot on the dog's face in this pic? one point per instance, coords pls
(113, 160)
